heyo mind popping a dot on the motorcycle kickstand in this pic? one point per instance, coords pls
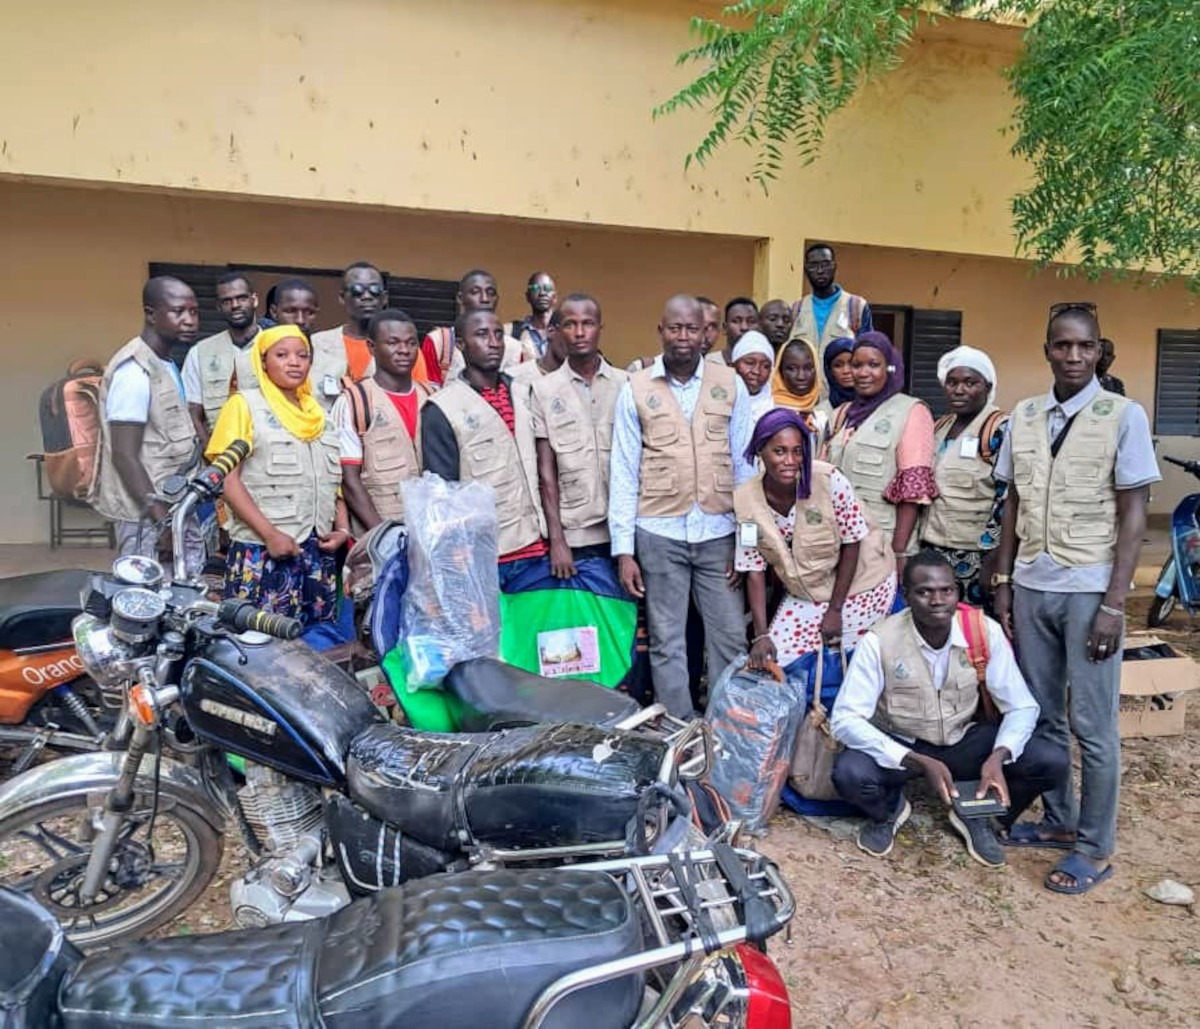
(36, 746)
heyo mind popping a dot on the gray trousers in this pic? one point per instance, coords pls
(671, 572)
(1051, 632)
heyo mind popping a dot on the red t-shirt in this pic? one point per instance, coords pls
(406, 405)
(500, 400)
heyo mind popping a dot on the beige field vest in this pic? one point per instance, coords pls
(580, 434)
(966, 489)
(868, 458)
(841, 320)
(1068, 503)
(910, 705)
(293, 483)
(169, 443)
(329, 364)
(390, 455)
(222, 363)
(506, 461)
(685, 464)
(807, 568)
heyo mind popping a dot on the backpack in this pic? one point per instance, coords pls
(69, 412)
(974, 628)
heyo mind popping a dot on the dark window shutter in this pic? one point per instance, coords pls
(1177, 384)
(203, 280)
(934, 333)
(430, 301)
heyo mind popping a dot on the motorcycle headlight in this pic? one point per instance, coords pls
(102, 654)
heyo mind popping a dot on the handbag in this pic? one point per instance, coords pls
(816, 749)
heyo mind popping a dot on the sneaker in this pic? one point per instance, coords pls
(980, 839)
(878, 838)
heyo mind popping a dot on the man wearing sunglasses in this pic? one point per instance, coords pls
(533, 331)
(828, 312)
(343, 350)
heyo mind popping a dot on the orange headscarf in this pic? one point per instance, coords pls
(782, 395)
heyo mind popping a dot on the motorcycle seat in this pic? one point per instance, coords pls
(495, 695)
(37, 609)
(36, 955)
(537, 786)
(452, 951)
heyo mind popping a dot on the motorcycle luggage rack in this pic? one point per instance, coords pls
(690, 740)
(662, 898)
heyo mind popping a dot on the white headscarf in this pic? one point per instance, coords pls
(969, 357)
(753, 342)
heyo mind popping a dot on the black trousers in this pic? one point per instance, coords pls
(860, 781)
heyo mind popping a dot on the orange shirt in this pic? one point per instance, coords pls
(358, 356)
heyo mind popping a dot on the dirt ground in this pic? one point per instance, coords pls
(926, 937)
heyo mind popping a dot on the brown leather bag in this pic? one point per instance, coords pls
(816, 749)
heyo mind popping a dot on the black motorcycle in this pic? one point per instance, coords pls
(332, 800)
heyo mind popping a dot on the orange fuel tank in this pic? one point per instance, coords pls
(26, 675)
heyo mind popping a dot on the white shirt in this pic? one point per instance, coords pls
(859, 696)
(128, 397)
(697, 526)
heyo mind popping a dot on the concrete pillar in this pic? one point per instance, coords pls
(778, 267)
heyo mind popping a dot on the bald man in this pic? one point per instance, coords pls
(679, 433)
(146, 433)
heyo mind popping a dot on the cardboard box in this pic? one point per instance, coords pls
(1154, 689)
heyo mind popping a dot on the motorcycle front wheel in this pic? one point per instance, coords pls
(1160, 611)
(44, 852)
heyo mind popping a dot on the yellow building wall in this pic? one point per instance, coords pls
(530, 108)
(73, 262)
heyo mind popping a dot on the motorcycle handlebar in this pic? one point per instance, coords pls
(1187, 466)
(205, 485)
(241, 615)
(212, 477)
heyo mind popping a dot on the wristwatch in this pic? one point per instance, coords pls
(1000, 579)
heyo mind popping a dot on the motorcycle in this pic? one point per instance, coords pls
(1179, 580)
(611, 945)
(46, 697)
(332, 800)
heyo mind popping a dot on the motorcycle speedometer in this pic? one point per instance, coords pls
(135, 614)
(135, 570)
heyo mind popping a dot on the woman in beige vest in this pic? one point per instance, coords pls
(963, 522)
(287, 518)
(802, 518)
(882, 441)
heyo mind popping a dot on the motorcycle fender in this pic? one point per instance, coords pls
(1166, 579)
(96, 774)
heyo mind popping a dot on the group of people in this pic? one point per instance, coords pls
(782, 485)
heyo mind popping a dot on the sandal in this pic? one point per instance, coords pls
(1031, 834)
(1078, 868)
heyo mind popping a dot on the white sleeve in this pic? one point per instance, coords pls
(349, 442)
(855, 707)
(128, 394)
(1007, 687)
(193, 392)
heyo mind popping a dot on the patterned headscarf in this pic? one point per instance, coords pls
(863, 407)
(776, 421)
(837, 394)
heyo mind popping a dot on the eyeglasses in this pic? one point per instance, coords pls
(359, 290)
(541, 287)
(818, 266)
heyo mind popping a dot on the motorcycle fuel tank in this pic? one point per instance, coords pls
(278, 703)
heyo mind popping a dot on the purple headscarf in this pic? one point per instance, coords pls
(837, 395)
(776, 420)
(861, 408)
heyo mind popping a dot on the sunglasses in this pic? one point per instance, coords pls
(541, 287)
(359, 290)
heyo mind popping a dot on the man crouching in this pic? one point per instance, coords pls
(910, 705)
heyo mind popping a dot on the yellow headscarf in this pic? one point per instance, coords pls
(779, 391)
(305, 422)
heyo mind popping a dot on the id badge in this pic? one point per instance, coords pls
(329, 386)
(968, 446)
(747, 534)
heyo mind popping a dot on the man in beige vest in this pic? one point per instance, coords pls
(680, 432)
(828, 312)
(296, 303)
(378, 420)
(208, 369)
(146, 433)
(1079, 462)
(343, 350)
(910, 705)
(572, 413)
(472, 430)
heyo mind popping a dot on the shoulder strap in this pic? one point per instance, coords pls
(974, 628)
(360, 404)
(839, 419)
(856, 312)
(986, 433)
(941, 423)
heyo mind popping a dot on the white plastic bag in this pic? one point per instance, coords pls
(452, 603)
